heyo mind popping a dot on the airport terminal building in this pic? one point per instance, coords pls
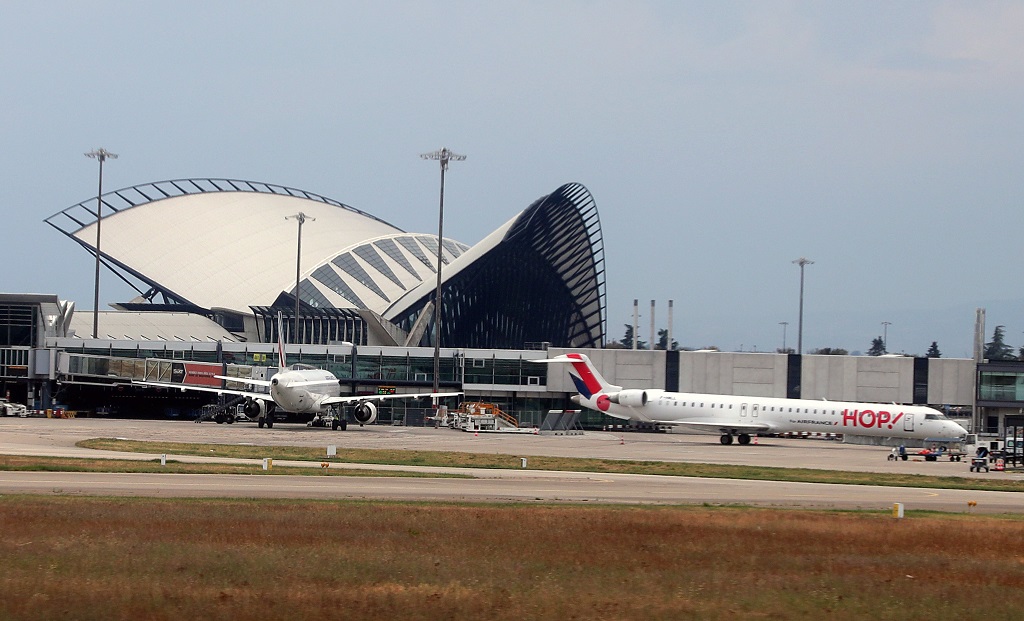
(210, 292)
(228, 249)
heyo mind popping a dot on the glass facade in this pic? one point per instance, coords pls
(544, 282)
(1001, 385)
(17, 325)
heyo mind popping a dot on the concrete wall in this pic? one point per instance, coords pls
(723, 373)
(951, 381)
(858, 378)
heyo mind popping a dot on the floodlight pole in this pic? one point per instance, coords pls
(885, 335)
(301, 218)
(444, 156)
(102, 155)
(784, 324)
(800, 326)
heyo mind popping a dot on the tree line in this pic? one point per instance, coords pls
(877, 346)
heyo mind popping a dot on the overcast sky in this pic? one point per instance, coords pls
(721, 141)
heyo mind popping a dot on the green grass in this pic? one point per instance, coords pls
(74, 464)
(536, 462)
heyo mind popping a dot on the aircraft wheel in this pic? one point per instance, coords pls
(743, 438)
(229, 419)
(259, 423)
(726, 439)
(344, 425)
(335, 424)
(270, 423)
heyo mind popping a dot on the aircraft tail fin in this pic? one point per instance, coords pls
(584, 374)
(282, 363)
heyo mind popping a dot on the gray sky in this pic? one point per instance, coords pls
(721, 141)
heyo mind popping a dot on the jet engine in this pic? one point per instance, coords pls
(255, 408)
(365, 413)
(630, 397)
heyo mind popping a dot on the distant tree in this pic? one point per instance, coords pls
(663, 340)
(877, 347)
(997, 349)
(627, 340)
(829, 351)
(1020, 355)
(933, 351)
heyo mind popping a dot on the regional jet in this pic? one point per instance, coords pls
(739, 417)
(301, 389)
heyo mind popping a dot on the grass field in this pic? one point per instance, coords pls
(136, 559)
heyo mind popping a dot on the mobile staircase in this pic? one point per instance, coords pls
(481, 417)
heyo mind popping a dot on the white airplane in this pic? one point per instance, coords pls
(301, 389)
(742, 416)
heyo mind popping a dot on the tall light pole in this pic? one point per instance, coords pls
(783, 324)
(443, 156)
(885, 335)
(800, 326)
(102, 155)
(301, 218)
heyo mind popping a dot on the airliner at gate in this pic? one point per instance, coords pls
(739, 416)
(301, 389)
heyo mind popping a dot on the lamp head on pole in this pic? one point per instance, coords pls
(101, 154)
(444, 156)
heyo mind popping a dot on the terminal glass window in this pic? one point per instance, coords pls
(410, 244)
(481, 371)
(17, 327)
(1001, 386)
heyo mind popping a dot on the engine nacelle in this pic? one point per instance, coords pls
(365, 413)
(630, 397)
(255, 408)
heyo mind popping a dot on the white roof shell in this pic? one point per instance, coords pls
(233, 249)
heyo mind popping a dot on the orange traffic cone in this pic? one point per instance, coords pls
(755, 439)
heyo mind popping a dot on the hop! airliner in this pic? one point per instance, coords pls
(301, 389)
(739, 417)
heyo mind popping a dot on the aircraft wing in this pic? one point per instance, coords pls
(251, 382)
(219, 391)
(353, 398)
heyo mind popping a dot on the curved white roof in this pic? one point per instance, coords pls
(235, 248)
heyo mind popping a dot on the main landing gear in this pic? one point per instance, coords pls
(742, 438)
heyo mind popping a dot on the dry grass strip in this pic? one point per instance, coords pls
(133, 559)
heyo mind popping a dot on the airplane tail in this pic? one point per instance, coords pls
(282, 363)
(585, 375)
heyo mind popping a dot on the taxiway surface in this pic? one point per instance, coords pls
(28, 436)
